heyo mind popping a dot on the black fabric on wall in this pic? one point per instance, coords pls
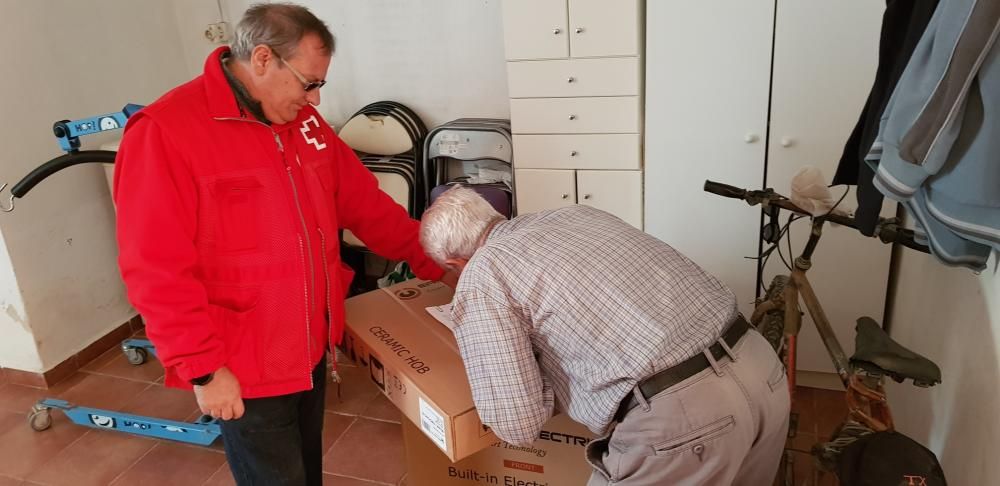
(903, 24)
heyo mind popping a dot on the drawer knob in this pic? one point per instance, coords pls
(750, 138)
(787, 141)
(586, 196)
(572, 117)
(579, 30)
(557, 31)
(573, 153)
(565, 196)
(570, 79)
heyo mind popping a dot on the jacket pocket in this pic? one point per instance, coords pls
(696, 437)
(238, 201)
(232, 308)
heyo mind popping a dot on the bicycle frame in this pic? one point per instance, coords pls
(865, 395)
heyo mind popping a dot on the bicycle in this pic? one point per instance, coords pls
(778, 318)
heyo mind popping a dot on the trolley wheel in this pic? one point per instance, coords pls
(136, 356)
(40, 419)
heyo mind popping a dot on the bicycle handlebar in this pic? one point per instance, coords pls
(887, 230)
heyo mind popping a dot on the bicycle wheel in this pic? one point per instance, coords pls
(772, 325)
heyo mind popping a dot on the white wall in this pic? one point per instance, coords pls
(64, 59)
(442, 58)
(952, 316)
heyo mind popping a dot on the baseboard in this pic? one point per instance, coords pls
(818, 379)
(73, 363)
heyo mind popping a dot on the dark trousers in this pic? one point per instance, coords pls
(279, 440)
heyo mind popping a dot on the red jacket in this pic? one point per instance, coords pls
(228, 235)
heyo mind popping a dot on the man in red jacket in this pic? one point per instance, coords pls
(231, 190)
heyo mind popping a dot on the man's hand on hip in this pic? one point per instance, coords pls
(221, 397)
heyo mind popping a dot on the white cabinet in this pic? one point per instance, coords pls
(553, 29)
(617, 192)
(604, 28)
(541, 29)
(708, 67)
(710, 98)
(612, 114)
(820, 82)
(574, 77)
(575, 81)
(539, 190)
(619, 151)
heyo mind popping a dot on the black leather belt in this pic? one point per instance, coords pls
(675, 374)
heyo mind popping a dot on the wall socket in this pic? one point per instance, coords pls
(218, 33)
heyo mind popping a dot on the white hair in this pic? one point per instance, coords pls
(454, 225)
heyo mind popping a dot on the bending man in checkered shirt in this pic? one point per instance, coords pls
(574, 310)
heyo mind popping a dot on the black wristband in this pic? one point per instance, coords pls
(202, 380)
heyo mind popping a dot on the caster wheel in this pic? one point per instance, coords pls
(135, 356)
(40, 419)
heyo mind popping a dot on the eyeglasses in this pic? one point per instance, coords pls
(306, 84)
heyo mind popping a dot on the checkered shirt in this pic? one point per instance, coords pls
(569, 309)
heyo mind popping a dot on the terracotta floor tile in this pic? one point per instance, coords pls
(19, 398)
(24, 451)
(96, 459)
(804, 405)
(8, 481)
(334, 480)
(114, 363)
(165, 403)
(382, 409)
(371, 450)
(173, 464)
(334, 426)
(105, 392)
(356, 392)
(831, 410)
(802, 442)
(222, 477)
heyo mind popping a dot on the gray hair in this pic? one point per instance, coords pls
(281, 26)
(453, 226)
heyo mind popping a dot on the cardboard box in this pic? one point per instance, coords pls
(414, 360)
(555, 459)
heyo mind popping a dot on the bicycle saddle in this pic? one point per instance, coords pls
(877, 353)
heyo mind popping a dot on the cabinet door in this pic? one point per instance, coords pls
(535, 29)
(821, 80)
(613, 114)
(707, 74)
(618, 192)
(544, 189)
(604, 28)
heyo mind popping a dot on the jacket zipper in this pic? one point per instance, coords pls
(302, 247)
(334, 373)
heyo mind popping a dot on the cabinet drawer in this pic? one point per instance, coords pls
(538, 190)
(618, 192)
(600, 151)
(574, 77)
(575, 115)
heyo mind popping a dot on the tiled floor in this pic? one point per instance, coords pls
(819, 412)
(362, 433)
